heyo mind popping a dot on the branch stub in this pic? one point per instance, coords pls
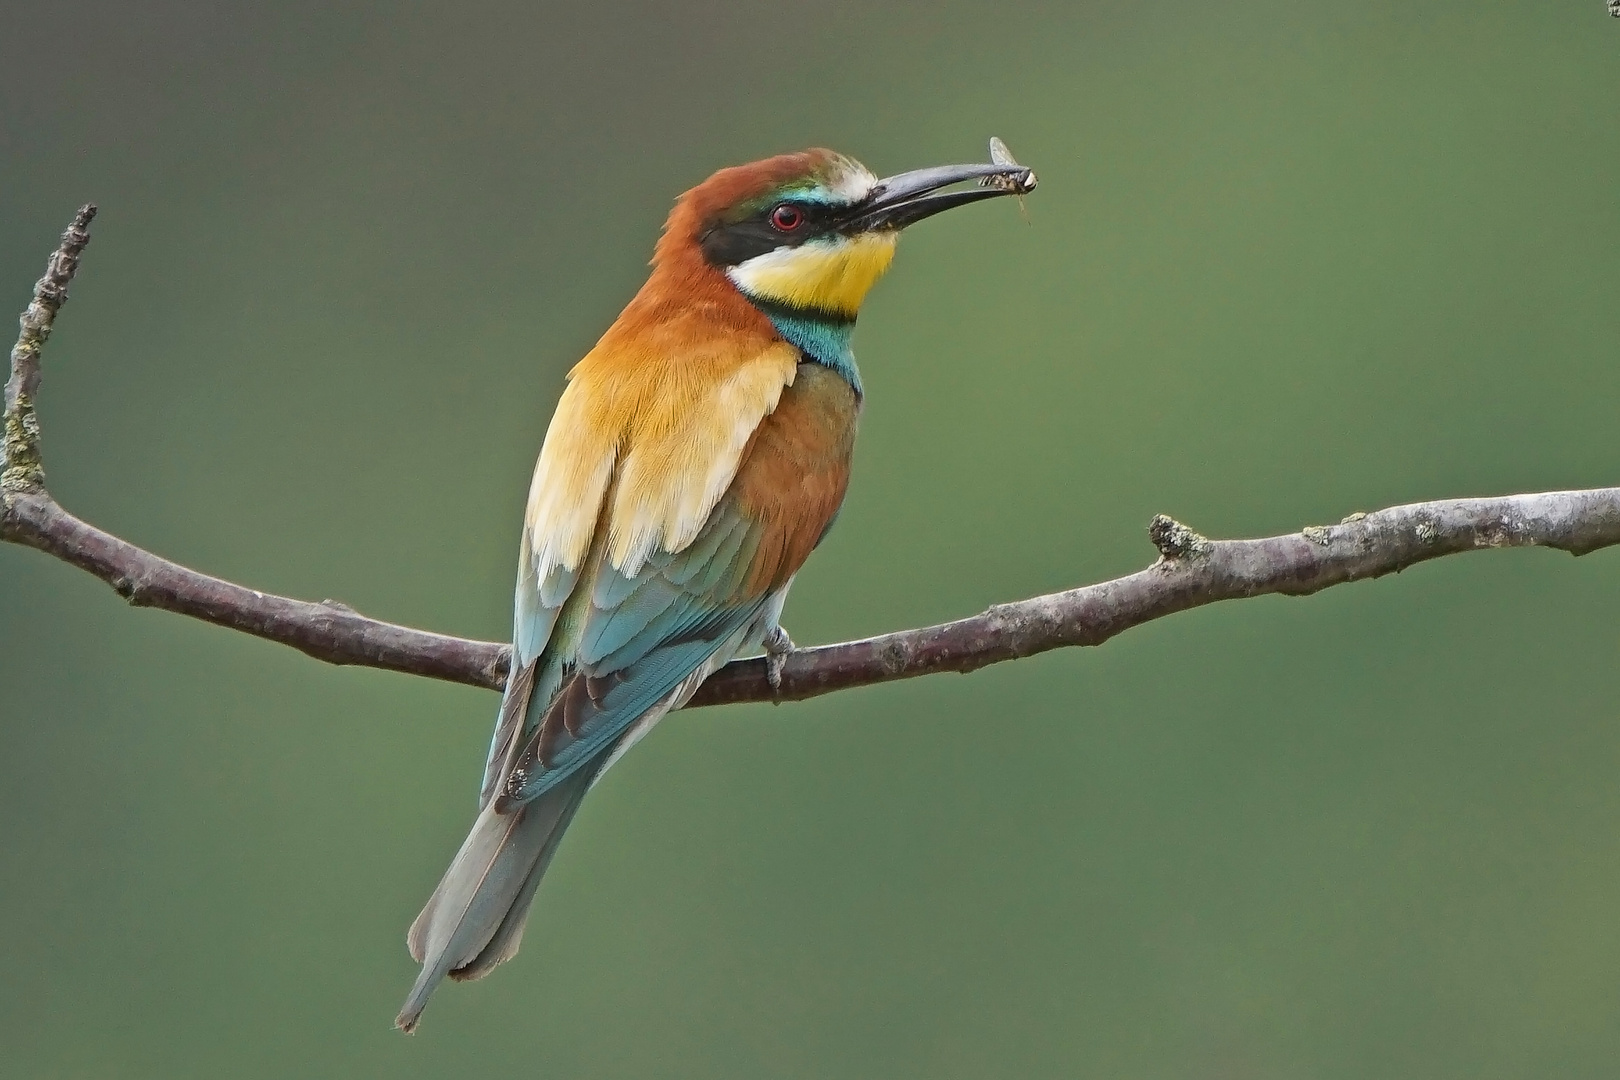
(1174, 540)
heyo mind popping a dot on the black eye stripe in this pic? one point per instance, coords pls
(731, 243)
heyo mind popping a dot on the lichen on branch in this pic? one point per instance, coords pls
(22, 468)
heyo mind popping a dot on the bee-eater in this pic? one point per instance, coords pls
(699, 452)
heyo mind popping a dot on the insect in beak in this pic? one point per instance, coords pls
(1000, 155)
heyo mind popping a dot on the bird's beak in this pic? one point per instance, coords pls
(898, 201)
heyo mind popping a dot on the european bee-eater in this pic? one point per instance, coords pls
(699, 452)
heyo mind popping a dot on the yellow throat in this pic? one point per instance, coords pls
(831, 274)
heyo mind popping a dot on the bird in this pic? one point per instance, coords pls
(697, 455)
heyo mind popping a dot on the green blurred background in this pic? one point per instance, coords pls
(1287, 261)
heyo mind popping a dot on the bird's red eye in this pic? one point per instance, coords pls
(787, 218)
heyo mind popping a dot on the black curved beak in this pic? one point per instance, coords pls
(898, 201)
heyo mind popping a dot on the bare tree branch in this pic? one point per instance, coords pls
(1191, 570)
(327, 631)
(21, 468)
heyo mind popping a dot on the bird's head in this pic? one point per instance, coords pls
(808, 234)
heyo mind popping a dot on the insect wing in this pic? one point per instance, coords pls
(999, 154)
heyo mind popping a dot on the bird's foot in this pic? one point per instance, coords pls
(778, 647)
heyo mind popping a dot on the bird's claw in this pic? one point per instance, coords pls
(778, 647)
